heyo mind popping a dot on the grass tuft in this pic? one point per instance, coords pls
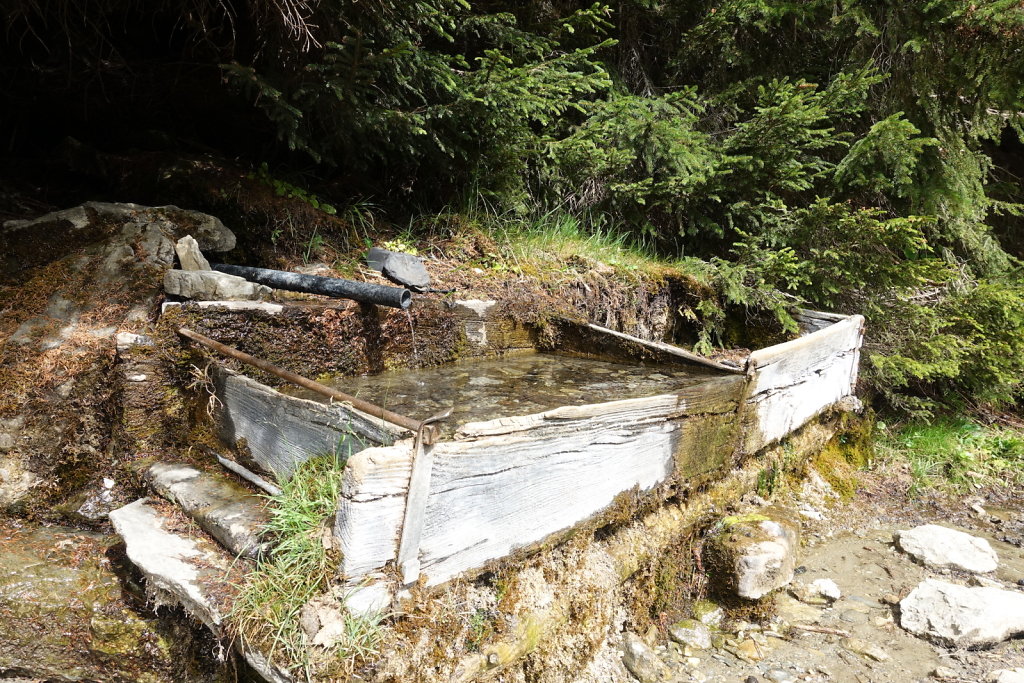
(300, 566)
(957, 454)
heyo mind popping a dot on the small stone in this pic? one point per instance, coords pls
(755, 553)
(189, 255)
(862, 647)
(942, 672)
(748, 649)
(826, 588)
(691, 633)
(708, 613)
(779, 676)
(984, 582)
(890, 599)
(883, 622)
(938, 546)
(641, 660)
(693, 661)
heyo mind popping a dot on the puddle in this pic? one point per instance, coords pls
(513, 385)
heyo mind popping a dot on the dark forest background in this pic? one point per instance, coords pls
(858, 156)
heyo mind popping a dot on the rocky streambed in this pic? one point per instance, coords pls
(884, 589)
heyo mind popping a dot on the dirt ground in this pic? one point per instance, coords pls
(858, 637)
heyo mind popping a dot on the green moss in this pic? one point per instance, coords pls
(850, 449)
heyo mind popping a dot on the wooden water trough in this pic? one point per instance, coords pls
(508, 485)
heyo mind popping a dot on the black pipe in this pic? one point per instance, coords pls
(366, 292)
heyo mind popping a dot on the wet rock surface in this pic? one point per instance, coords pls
(858, 636)
(64, 616)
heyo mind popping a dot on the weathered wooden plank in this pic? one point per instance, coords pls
(812, 321)
(792, 382)
(789, 362)
(675, 351)
(492, 495)
(282, 431)
(371, 508)
(775, 413)
(717, 395)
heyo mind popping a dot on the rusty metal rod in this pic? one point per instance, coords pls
(429, 431)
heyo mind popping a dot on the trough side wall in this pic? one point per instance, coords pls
(281, 431)
(513, 483)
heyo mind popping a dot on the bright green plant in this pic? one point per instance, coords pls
(298, 568)
(957, 454)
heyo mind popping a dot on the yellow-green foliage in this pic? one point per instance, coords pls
(851, 449)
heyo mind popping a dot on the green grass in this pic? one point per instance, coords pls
(555, 239)
(957, 454)
(300, 567)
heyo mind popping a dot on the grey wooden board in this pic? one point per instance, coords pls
(283, 431)
(794, 381)
(812, 321)
(514, 481)
(667, 348)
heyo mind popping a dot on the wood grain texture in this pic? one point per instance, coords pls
(282, 431)
(675, 351)
(790, 383)
(492, 495)
(513, 482)
(371, 508)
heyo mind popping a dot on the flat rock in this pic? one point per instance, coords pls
(755, 553)
(691, 632)
(228, 512)
(405, 269)
(211, 285)
(180, 569)
(940, 547)
(959, 616)
(1006, 676)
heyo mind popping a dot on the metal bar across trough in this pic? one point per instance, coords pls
(429, 432)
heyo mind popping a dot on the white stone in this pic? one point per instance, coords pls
(370, 600)
(960, 616)
(189, 255)
(938, 546)
(826, 588)
(1006, 676)
(172, 563)
(641, 660)
(126, 340)
(209, 285)
(755, 553)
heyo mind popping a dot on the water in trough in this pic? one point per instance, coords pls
(511, 385)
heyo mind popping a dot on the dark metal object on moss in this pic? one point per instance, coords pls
(364, 292)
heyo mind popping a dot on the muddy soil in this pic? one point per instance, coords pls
(858, 637)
